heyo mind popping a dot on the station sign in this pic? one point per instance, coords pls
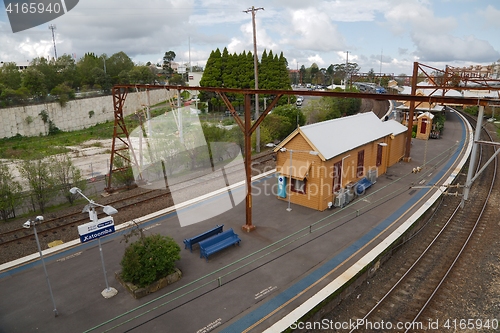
(94, 230)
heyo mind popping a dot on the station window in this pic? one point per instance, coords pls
(299, 186)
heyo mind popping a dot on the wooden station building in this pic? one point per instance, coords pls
(320, 159)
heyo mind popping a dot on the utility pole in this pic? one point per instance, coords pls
(256, 69)
(53, 27)
(346, 71)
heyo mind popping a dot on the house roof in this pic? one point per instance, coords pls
(426, 114)
(334, 137)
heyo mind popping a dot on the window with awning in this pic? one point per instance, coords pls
(298, 169)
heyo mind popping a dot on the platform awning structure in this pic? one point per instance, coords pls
(298, 169)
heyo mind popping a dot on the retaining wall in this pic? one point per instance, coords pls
(75, 115)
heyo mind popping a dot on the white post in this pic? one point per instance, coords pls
(44, 268)
(179, 113)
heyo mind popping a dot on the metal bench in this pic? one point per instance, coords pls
(218, 242)
(189, 242)
(362, 185)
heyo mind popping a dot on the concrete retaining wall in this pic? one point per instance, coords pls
(75, 115)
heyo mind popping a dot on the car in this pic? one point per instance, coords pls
(299, 102)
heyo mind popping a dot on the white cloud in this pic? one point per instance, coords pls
(449, 48)
(313, 30)
(489, 17)
(316, 59)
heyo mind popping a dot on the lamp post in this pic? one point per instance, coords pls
(27, 225)
(90, 208)
(283, 150)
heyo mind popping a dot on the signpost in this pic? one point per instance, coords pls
(92, 230)
(97, 228)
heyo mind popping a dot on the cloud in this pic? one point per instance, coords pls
(316, 59)
(450, 48)
(489, 17)
(434, 37)
(314, 31)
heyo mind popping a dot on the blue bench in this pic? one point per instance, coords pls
(362, 185)
(218, 242)
(189, 242)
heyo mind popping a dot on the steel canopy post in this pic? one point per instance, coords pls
(248, 163)
(473, 157)
(407, 157)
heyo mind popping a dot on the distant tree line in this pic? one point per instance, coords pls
(237, 71)
(49, 79)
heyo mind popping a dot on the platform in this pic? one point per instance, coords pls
(263, 284)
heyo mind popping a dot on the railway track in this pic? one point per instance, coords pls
(72, 220)
(407, 302)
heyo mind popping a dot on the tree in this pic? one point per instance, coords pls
(100, 79)
(10, 193)
(10, 76)
(48, 69)
(176, 80)
(371, 75)
(65, 67)
(149, 259)
(63, 92)
(277, 126)
(117, 63)
(212, 77)
(85, 66)
(34, 81)
(293, 114)
(125, 175)
(168, 58)
(302, 71)
(314, 73)
(40, 181)
(66, 176)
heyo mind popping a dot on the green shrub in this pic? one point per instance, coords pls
(472, 110)
(149, 259)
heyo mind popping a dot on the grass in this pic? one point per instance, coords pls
(20, 147)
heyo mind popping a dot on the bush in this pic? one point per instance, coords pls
(149, 259)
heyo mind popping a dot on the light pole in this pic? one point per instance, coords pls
(27, 225)
(90, 208)
(284, 150)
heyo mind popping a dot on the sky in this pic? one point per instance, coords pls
(387, 36)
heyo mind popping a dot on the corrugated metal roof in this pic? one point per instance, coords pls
(394, 127)
(334, 137)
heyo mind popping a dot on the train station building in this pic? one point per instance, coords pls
(318, 162)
